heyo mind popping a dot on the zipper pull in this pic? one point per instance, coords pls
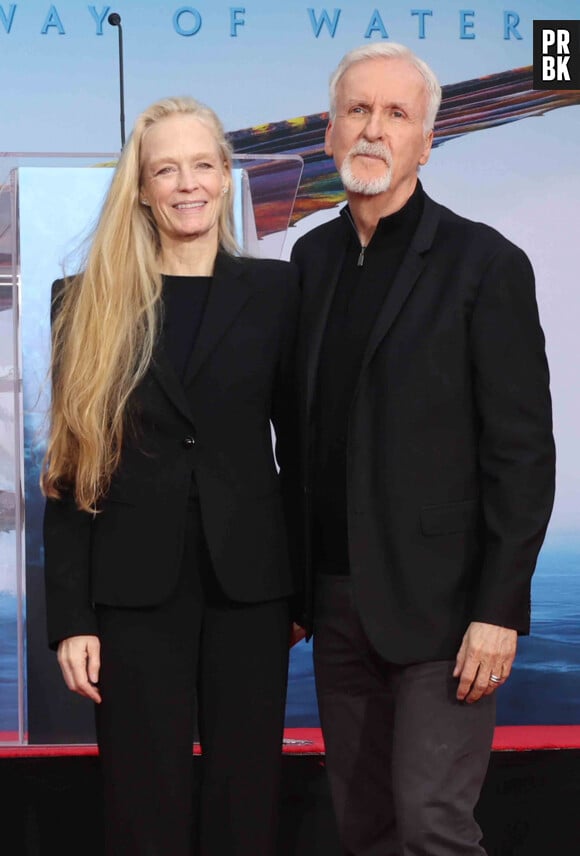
(361, 258)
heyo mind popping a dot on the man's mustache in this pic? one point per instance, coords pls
(378, 150)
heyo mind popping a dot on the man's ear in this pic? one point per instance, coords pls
(426, 149)
(327, 139)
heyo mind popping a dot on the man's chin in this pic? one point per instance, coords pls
(366, 187)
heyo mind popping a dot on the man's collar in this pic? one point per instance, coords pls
(412, 207)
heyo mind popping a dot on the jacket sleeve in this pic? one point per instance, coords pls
(67, 547)
(516, 446)
(285, 419)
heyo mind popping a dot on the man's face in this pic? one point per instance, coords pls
(377, 136)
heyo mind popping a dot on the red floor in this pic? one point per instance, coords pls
(308, 741)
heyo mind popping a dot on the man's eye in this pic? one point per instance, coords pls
(358, 110)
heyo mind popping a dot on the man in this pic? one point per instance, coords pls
(430, 471)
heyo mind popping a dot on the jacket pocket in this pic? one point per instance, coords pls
(449, 518)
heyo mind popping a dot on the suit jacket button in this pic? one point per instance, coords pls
(188, 442)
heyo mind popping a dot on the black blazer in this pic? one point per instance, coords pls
(216, 426)
(450, 454)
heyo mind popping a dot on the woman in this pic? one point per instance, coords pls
(167, 570)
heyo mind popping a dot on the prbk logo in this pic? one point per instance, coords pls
(556, 54)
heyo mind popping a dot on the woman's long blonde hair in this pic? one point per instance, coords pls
(107, 320)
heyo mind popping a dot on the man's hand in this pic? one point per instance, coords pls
(484, 660)
(79, 658)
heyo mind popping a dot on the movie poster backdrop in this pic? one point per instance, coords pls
(504, 153)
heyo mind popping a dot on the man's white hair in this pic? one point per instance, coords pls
(390, 50)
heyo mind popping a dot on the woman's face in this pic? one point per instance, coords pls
(184, 180)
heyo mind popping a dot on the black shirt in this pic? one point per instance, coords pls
(360, 292)
(184, 299)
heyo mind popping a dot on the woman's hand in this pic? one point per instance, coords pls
(297, 633)
(79, 658)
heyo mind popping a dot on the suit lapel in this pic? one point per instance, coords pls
(405, 279)
(165, 373)
(326, 280)
(327, 277)
(228, 293)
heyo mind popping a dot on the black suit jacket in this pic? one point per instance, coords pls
(216, 427)
(450, 454)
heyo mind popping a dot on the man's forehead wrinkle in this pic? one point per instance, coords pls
(373, 99)
(386, 78)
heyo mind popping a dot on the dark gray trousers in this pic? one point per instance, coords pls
(406, 761)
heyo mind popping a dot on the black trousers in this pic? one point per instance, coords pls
(406, 761)
(196, 659)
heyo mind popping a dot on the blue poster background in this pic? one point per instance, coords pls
(268, 63)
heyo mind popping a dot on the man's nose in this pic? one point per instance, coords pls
(375, 126)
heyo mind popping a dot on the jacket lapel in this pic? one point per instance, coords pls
(405, 279)
(326, 280)
(228, 293)
(165, 374)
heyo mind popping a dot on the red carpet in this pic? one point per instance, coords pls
(308, 741)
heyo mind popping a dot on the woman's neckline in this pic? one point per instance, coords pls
(167, 276)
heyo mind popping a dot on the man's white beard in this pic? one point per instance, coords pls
(368, 186)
